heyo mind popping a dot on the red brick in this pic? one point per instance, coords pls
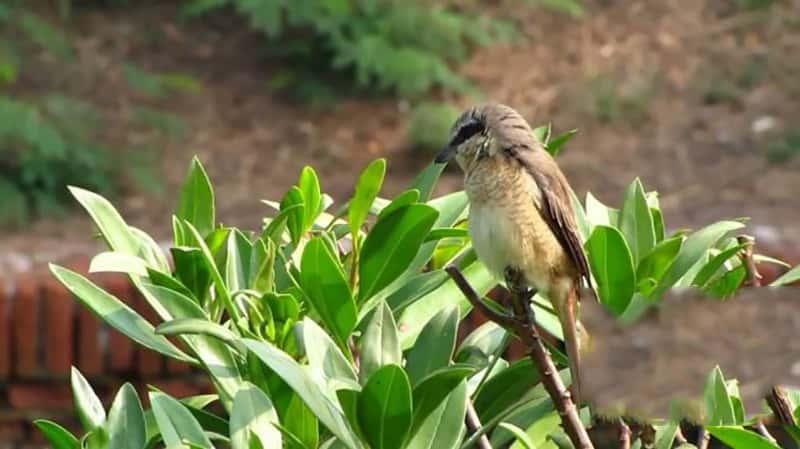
(181, 388)
(150, 363)
(121, 348)
(5, 335)
(12, 430)
(59, 327)
(90, 353)
(26, 327)
(177, 367)
(40, 396)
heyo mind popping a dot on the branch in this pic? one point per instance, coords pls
(779, 404)
(624, 435)
(762, 430)
(523, 326)
(753, 277)
(474, 424)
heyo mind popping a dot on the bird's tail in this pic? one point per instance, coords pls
(573, 336)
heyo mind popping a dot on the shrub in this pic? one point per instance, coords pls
(429, 125)
(320, 331)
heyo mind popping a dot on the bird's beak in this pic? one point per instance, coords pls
(446, 154)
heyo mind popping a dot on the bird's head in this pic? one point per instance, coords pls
(483, 132)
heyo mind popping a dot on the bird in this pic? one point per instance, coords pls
(521, 218)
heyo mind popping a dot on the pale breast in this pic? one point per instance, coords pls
(507, 229)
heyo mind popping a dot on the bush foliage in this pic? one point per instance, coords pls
(335, 326)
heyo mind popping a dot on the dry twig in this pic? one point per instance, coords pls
(753, 277)
(474, 423)
(779, 404)
(522, 325)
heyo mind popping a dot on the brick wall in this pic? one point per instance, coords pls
(44, 331)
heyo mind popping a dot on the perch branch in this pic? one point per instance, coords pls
(523, 326)
(753, 276)
(474, 424)
(762, 430)
(703, 438)
(779, 404)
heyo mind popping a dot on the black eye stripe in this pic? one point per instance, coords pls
(467, 131)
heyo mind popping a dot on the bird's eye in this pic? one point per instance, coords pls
(467, 131)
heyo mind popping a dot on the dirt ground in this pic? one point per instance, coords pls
(706, 160)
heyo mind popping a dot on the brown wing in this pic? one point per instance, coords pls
(556, 207)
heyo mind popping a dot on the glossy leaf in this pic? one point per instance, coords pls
(253, 416)
(504, 389)
(297, 378)
(295, 206)
(653, 266)
(612, 267)
(739, 438)
(434, 346)
(108, 221)
(192, 270)
(57, 436)
(325, 359)
(196, 202)
(712, 267)
(117, 262)
(719, 407)
(556, 144)
(116, 314)
(542, 133)
(599, 214)
(326, 287)
(787, 278)
(194, 326)
(403, 199)
(175, 423)
(665, 435)
(301, 424)
(636, 223)
(380, 344)
(126, 426)
(384, 408)
(312, 196)
(444, 427)
(433, 390)
(369, 184)
(694, 248)
(522, 438)
(426, 181)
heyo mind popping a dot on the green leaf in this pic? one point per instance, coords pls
(738, 438)
(437, 234)
(294, 202)
(301, 423)
(444, 427)
(403, 199)
(392, 245)
(384, 408)
(196, 201)
(325, 359)
(434, 346)
(717, 401)
(665, 435)
(111, 225)
(653, 266)
(192, 270)
(176, 423)
(694, 248)
(556, 144)
(253, 416)
(126, 420)
(787, 278)
(116, 314)
(312, 196)
(325, 285)
(298, 379)
(612, 267)
(369, 184)
(90, 409)
(711, 268)
(57, 436)
(505, 389)
(658, 223)
(521, 437)
(117, 262)
(433, 390)
(223, 295)
(380, 343)
(599, 214)
(636, 222)
(194, 326)
(426, 181)
(481, 343)
(237, 261)
(542, 133)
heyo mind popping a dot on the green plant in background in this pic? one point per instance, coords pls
(319, 331)
(785, 148)
(610, 99)
(51, 140)
(429, 125)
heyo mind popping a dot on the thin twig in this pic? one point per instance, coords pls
(762, 430)
(474, 424)
(624, 435)
(703, 438)
(753, 277)
(523, 325)
(779, 404)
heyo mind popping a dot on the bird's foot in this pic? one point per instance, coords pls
(516, 284)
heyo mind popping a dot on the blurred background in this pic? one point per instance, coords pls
(699, 98)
